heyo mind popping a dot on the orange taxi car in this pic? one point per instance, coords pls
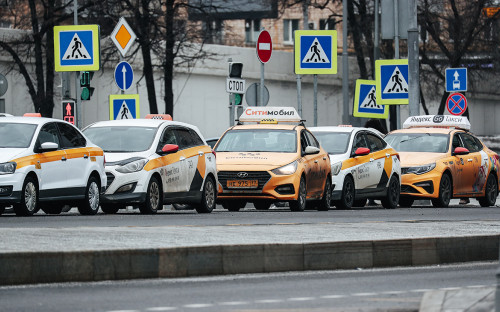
(441, 159)
(267, 160)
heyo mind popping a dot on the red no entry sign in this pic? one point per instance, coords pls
(264, 46)
(456, 104)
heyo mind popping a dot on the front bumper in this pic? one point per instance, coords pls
(123, 198)
(421, 185)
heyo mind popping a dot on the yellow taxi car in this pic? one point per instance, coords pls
(272, 157)
(441, 159)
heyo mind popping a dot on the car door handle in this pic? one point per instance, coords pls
(182, 158)
(470, 159)
(387, 155)
(85, 156)
(371, 159)
(324, 158)
(63, 158)
(316, 161)
(201, 154)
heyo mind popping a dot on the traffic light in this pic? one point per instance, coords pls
(235, 69)
(87, 90)
(237, 99)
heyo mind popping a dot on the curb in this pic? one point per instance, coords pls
(53, 267)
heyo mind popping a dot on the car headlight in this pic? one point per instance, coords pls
(8, 167)
(286, 169)
(419, 169)
(336, 168)
(133, 166)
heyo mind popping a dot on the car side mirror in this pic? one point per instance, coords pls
(48, 147)
(361, 151)
(461, 151)
(169, 149)
(311, 150)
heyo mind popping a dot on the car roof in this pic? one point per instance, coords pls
(427, 130)
(138, 123)
(267, 126)
(29, 120)
(335, 129)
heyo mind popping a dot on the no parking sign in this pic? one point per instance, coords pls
(456, 104)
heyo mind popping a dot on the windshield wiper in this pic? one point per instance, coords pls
(410, 139)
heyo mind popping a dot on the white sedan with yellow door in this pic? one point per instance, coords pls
(363, 166)
(47, 163)
(152, 162)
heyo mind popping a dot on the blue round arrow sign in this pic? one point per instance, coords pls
(124, 75)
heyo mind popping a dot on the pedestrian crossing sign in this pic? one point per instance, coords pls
(392, 81)
(123, 106)
(365, 101)
(315, 52)
(76, 48)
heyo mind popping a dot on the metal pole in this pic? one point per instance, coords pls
(413, 61)
(315, 100)
(261, 97)
(231, 97)
(396, 56)
(299, 96)
(79, 115)
(376, 39)
(305, 26)
(345, 66)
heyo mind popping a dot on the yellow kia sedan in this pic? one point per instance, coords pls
(441, 159)
(272, 157)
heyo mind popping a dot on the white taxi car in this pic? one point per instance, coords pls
(151, 162)
(363, 166)
(47, 163)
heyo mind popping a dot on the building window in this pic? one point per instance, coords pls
(252, 30)
(327, 24)
(289, 26)
(213, 31)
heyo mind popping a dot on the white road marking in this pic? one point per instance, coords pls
(333, 296)
(421, 290)
(269, 301)
(301, 299)
(364, 294)
(161, 309)
(450, 288)
(396, 292)
(198, 305)
(233, 303)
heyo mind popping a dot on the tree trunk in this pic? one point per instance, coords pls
(148, 74)
(355, 31)
(168, 67)
(47, 108)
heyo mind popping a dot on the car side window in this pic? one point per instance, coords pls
(359, 141)
(70, 137)
(311, 139)
(183, 138)
(470, 143)
(303, 141)
(167, 137)
(195, 138)
(48, 133)
(456, 142)
(374, 142)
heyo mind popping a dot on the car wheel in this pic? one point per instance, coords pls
(406, 201)
(2, 209)
(233, 205)
(445, 190)
(324, 202)
(359, 203)
(111, 208)
(262, 205)
(347, 198)
(300, 203)
(52, 208)
(154, 198)
(90, 205)
(490, 192)
(208, 197)
(29, 198)
(392, 198)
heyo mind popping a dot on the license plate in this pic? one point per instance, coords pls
(243, 183)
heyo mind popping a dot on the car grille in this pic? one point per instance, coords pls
(110, 178)
(261, 176)
(408, 189)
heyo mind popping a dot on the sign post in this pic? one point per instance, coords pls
(264, 51)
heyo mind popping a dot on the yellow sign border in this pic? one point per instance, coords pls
(315, 71)
(355, 111)
(378, 64)
(95, 48)
(113, 97)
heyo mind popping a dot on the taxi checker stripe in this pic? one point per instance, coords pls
(162, 161)
(351, 162)
(56, 156)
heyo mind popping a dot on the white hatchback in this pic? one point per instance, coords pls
(153, 162)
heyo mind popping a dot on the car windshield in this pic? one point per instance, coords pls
(333, 142)
(122, 139)
(258, 140)
(418, 142)
(16, 135)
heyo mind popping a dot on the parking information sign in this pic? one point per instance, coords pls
(392, 81)
(456, 104)
(456, 79)
(365, 103)
(76, 48)
(123, 106)
(315, 52)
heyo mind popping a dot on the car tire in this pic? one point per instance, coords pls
(300, 203)
(360, 203)
(348, 194)
(324, 202)
(154, 198)
(391, 200)
(90, 205)
(29, 198)
(111, 208)
(208, 197)
(52, 208)
(2, 209)
(490, 192)
(233, 205)
(262, 205)
(405, 201)
(445, 192)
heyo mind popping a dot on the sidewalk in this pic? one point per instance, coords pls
(471, 300)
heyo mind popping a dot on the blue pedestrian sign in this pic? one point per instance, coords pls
(76, 48)
(123, 106)
(124, 75)
(365, 102)
(392, 81)
(456, 79)
(315, 51)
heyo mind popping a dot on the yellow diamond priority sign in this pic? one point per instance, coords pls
(123, 36)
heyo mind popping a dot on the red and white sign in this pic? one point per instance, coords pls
(456, 104)
(68, 108)
(264, 46)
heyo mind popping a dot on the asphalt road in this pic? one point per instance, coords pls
(394, 289)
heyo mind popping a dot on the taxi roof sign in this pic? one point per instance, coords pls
(280, 114)
(159, 116)
(441, 121)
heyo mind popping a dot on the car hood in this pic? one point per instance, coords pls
(409, 159)
(256, 160)
(8, 154)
